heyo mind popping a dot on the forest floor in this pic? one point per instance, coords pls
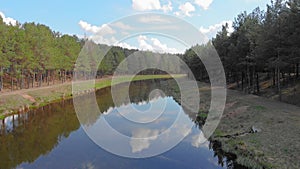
(261, 132)
(17, 101)
(290, 91)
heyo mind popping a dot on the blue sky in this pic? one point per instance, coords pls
(64, 16)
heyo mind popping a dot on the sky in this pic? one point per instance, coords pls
(79, 17)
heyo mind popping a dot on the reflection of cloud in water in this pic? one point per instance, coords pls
(109, 110)
(183, 130)
(128, 106)
(88, 165)
(180, 130)
(142, 103)
(11, 121)
(141, 139)
(199, 140)
(141, 112)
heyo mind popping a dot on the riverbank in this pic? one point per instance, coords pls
(21, 100)
(260, 132)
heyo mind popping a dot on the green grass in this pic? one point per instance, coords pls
(203, 115)
(218, 133)
(261, 108)
(123, 79)
(46, 96)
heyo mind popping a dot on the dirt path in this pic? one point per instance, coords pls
(20, 92)
(14, 101)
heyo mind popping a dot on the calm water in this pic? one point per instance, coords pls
(51, 137)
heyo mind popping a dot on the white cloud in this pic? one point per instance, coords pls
(185, 9)
(125, 45)
(8, 20)
(154, 45)
(100, 30)
(105, 34)
(168, 7)
(143, 45)
(199, 140)
(141, 138)
(123, 26)
(204, 4)
(153, 19)
(88, 27)
(103, 40)
(148, 5)
(212, 30)
(162, 48)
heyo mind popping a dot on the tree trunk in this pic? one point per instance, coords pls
(253, 77)
(248, 79)
(40, 80)
(1, 79)
(22, 83)
(242, 80)
(28, 81)
(48, 78)
(274, 78)
(12, 84)
(1, 83)
(278, 83)
(65, 76)
(237, 80)
(61, 76)
(257, 83)
(297, 70)
(289, 78)
(33, 79)
(53, 76)
(17, 83)
(283, 79)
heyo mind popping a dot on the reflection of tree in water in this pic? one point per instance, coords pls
(224, 158)
(36, 133)
(138, 92)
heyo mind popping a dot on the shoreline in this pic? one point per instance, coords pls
(260, 132)
(27, 99)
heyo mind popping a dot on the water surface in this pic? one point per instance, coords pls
(51, 137)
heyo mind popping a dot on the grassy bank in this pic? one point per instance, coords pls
(18, 101)
(261, 132)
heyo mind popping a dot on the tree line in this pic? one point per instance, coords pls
(265, 45)
(33, 55)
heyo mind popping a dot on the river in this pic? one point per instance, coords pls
(52, 137)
